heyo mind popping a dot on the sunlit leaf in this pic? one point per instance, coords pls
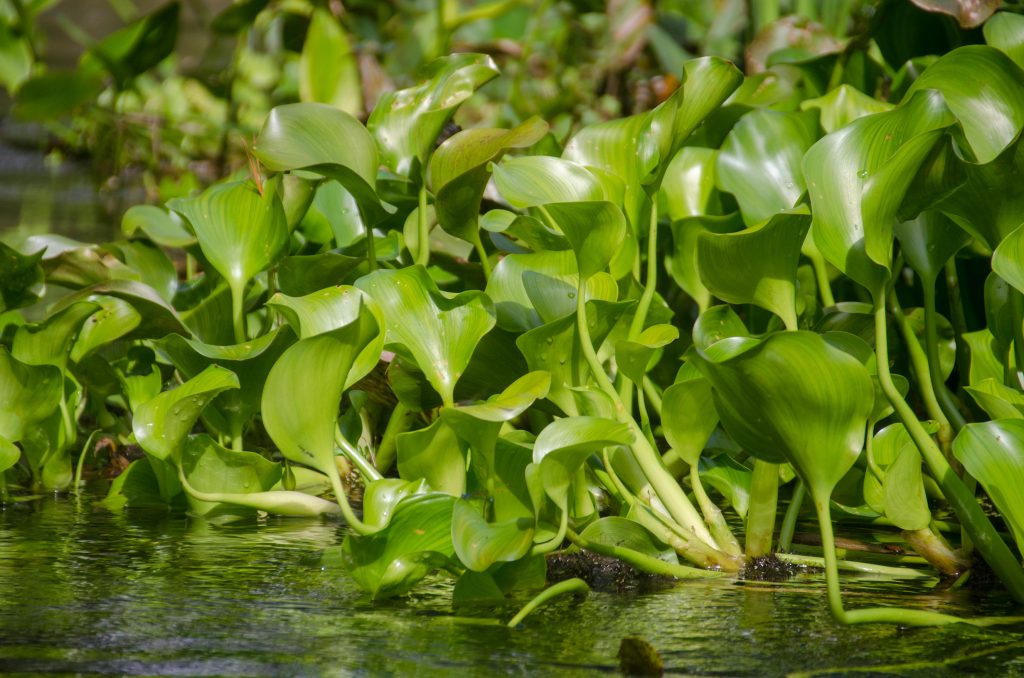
(479, 543)
(28, 394)
(160, 226)
(328, 72)
(689, 183)
(998, 401)
(842, 105)
(563, 446)
(433, 454)
(1005, 31)
(539, 179)
(49, 342)
(688, 417)
(993, 452)
(595, 230)
(1008, 258)
(636, 357)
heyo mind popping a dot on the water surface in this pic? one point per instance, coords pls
(84, 590)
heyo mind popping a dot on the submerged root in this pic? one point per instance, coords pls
(602, 573)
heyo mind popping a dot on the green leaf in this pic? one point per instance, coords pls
(628, 534)
(250, 362)
(596, 231)
(22, 280)
(158, 317)
(1005, 31)
(160, 226)
(688, 417)
(136, 48)
(842, 105)
(54, 94)
(138, 486)
(857, 178)
(210, 468)
(986, 362)
(759, 162)
(928, 242)
(793, 395)
(439, 331)
(433, 454)
(565, 444)
(328, 72)
(416, 541)
(533, 180)
(460, 170)
(993, 452)
(479, 543)
(28, 394)
(1008, 258)
(998, 401)
(49, 342)
(406, 123)
(114, 319)
(682, 261)
(15, 59)
(716, 323)
(689, 183)
(240, 231)
(301, 275)
(730, 478)
(9, 454)
(903, 496)
(985, 91)
(756, 266)
(162, 423)
(636, 358)
(303, 390)
(382, 496)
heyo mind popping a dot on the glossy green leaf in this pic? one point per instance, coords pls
(945, 338)
(301, 275)
(154, 267)
(162, 423)
(794, 395)
(985, 363)
(210, 468)
(250, 362)
(842, 105)
(539, 179)
(139, 376)
(138, 486)
(636, 358)
(928, 242)
(759, 162)
(439, 331)
(903, 494)
(565, 444)
(998, 401)
(628, 534)
(304, 388)
(22, 280)
(160, 226)
(729, 478)
(989, 203)
(158, 317)
(416, 541)
(28, 394)
(114, 319)
(688, 417)
(1005, 31)
(433, 454)
(479, 543)
(49, 342)
(382, 496)
(595, 230)
(240, 231)
(459, 172)
(993, 452)
(681, 263)
(328, 72)
(406, 123)
(1008, 258)
(531, 289)
(716, 323)
(857, 178)
(689, 183)
(756, 266)
(9, 454)
(985, 91)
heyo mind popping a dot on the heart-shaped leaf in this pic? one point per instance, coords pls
(688, 417)
(416, 541)
(433, 454)
(681, 263)
(406, 123)
(539, 179)
(564, 445)
(595, 230)
(459, 172)
(636, 357)
(304, 388)
(438, 331)
(688, 186)
(28, 394)
(993, 452)
(49, 342)
(857, 178)
(479, 543)
(792, 394)
(756, 266)
(759, 162)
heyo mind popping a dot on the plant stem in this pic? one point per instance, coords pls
(556, 541)
(642, 561)
(1017, 309)
(713, 516)
(368, 471)
(423, 228)
(821, 276)
(792, 514)
(857, 566)
(346, 509)
(993, 549)
(956, 317)
(388, 449)
(574, 585)
(485, 264)
(643, 306)
(237, 312)
(764, 498)
(931, 346)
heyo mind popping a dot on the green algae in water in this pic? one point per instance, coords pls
(85, 590)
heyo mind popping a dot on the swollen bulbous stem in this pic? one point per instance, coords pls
(764, 496)
(987, 541)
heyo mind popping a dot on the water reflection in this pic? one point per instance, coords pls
(86, 590)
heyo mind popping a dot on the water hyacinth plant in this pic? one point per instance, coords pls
(655, 341)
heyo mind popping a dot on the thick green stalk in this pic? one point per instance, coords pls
(573, 585)
(820, 268)
(643, 306)
(399, 422)
(956, 316)
(422, 228)
(792, 513)
(764, 498)
(642, 561)
(485, 264)
(713, 516)
(238, 312)
(993, 549)
(346, 509)
(857, 566)
(368, 471)
(931, 347)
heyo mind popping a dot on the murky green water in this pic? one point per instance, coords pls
(87, 591)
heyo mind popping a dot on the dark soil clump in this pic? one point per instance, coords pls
(769, 568)
(602, 573)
